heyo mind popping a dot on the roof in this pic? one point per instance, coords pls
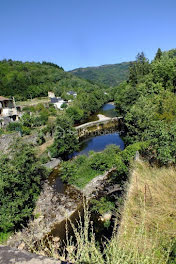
(2, 98)
(56, 99)
(71, 92)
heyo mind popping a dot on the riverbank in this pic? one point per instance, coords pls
(52, 208)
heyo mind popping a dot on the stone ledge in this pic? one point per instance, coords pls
(10, 255)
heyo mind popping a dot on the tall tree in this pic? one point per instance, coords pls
(138, 69)
(158, 54)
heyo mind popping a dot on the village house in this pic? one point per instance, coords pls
(8, 111)
(74, 94)
(56, 101)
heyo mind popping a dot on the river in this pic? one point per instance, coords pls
(98, 142)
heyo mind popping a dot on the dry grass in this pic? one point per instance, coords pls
(148, 225)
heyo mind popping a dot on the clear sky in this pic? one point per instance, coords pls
(79, 33)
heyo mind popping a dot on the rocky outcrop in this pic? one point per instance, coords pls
(31, 139)
(7, 140)
(53, 163)
(13, 256)
(97, 184)
(51, 208)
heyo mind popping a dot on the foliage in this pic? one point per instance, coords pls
(20, 185)
(33, 79)
(82, 169)
(18, 126)
(65, 138)
(75, 113)
(102, 206)
(147, 102)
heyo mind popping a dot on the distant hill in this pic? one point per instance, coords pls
(110, 74)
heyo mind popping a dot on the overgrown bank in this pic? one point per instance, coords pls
(147, 229)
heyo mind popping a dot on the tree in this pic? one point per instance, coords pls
(75, 113)
(158, 54)
(138, 69)
(21, 179)
(65, 139)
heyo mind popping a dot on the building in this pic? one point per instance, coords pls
(8, 111)
(58, 102)
(51, 95)
(74, 94)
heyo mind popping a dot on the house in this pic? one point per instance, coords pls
(8, 111)
(74, 94)
(58, 102)
(51, 94)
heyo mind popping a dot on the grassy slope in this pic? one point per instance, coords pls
(111, 74)
(148, 226)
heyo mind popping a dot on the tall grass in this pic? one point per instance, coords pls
(148, 225)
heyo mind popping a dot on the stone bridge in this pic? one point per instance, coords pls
(105, 124)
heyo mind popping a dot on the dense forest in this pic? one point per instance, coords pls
(110, 74)
(31, 79)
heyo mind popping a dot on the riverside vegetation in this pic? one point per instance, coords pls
(22, 159)
(147, 229)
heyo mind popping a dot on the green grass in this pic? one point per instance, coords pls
(4, 237)
(82, 169)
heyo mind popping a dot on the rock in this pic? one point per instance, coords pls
(52, 164)
(106, 217)
(56, 239)
(97, 184)
(13, 256)
(21, 246)
(7, 140)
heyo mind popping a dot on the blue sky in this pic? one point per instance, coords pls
(79, 33)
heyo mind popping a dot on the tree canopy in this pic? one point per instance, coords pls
(147, 101)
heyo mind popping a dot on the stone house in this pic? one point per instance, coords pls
(8, 111)
(58, 102)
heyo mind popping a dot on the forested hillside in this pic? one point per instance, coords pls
(31, 79)
(147, 102)
(110, 75)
